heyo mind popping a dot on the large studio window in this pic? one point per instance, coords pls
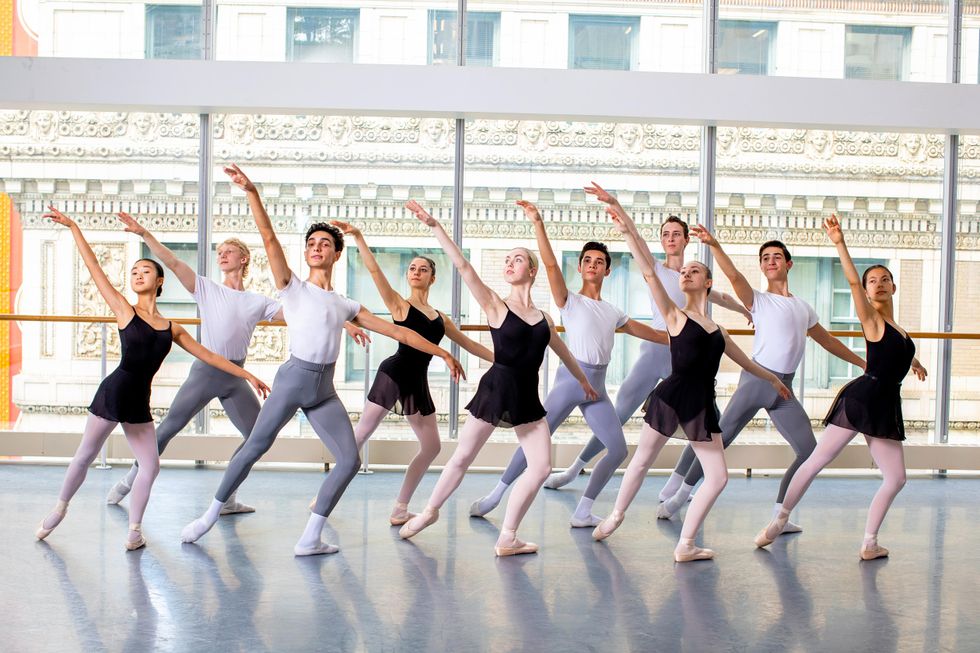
(323, 35)
(603, 42)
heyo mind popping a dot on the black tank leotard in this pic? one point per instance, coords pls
(124, 395)
(508, 392)
(683, 404)
(872, 403)
(402, 382)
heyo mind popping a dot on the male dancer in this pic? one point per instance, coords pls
(314, 315)
(590, 327)
(653, 365)
(782, 324)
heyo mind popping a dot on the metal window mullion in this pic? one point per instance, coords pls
(706, 183)
(457, 297)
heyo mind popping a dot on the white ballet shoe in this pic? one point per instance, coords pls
(194, 531)
(320, 548)
(479, 510)
(117, 493)
(589, 522)
(235, 507)
(558, 480)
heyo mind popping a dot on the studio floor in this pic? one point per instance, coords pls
(241, 589)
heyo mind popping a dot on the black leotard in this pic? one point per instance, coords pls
(872, 403)
(508, 392)
(402, 382)
(124, 395)
(683, 404)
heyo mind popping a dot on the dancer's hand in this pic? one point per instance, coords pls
(601, 194)
(590, 393)
(919, 371)
(59, 217)
(132, 226)
(783, 391)
(238, 178)
(421, 213)
(347, 228)
(455, 368)
(617, 221)
(832, 226)
(704, 235)
(260, 388)
(357, 334)
(530, 210)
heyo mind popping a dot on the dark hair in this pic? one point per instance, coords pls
(877, 266)
(335, 233)
(775, 243)
(707, 274)
(432, 264)
(159, 272)
(674, 218)
(593, 245)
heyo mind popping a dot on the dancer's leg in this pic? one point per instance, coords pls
(427, 431)
(143, 441)
(602, 419)
(831, 443)
(535, 439)
(242, 407)
(889, 455)
(647, 449)
(371, 418)
(711, 455)
(793, 424)
(473, 436)
(96, 431)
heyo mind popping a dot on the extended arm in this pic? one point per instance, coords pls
(823, 338)
(197, 350)
(395, 303)
(743, 290)
(556, 280)
(645, 332)
(472, 346)
(565, 356)
(871, 322)
(273, 248)
(726, 301)
(186, 276)
(741, 358)
(369, 320)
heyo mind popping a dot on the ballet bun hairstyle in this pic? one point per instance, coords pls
(532, 258)
(707, 275)
(596, 246)
(877, 266)
(246, 252)
(335, 233)
(675, 220)
(159, 269)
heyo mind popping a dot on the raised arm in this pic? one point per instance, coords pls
(615, 209)
(186, 276)
(196, 349)
(115, 299)
(742, 359)
(823, 338)
(645, 332)
(489, 301)
(396, 304)
(556, 280)
(872, 323)
(369, 320)
(743, 289)
(273, 248)
(565, 356)
(472, 346)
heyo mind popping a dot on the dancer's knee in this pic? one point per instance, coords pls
(616, 451)
(429, 449)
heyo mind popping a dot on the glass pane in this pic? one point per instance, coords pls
(173, 32)
(602, 42)
(843, 40)
(326, 35)
(964, 408)
(482, 37)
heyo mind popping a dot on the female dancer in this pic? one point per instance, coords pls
(401, 384)
(124, 396)
(508, 392)
(683, 404)
(315, 315)
(870, 404)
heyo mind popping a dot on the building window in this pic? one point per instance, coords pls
(482, 38)
(324, 35)
(173, 32)
(745, 47)
(602, 42)
(875, 52)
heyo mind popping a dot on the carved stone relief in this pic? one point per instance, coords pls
(89, 301)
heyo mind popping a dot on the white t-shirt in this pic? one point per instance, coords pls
(590, 326)
(781, 324)
(315, 318)
(228, 317)
(671, 279)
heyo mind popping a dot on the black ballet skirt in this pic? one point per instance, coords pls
(508, 392)
(124, 395)
(683, 405)
(402, 382)
(872, 403)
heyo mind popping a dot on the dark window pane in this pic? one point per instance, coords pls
(602, 42)
(875, 52)
(481, 37)
(745, 47)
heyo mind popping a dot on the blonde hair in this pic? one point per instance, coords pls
(532, 258)
(244, 249)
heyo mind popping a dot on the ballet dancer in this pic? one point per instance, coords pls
(401, 384)
(653, 365)
(782, 323)
(123, 397)
(683, 404)
(871, 404)
(508, 392)
(315, 315)
(590, 327)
